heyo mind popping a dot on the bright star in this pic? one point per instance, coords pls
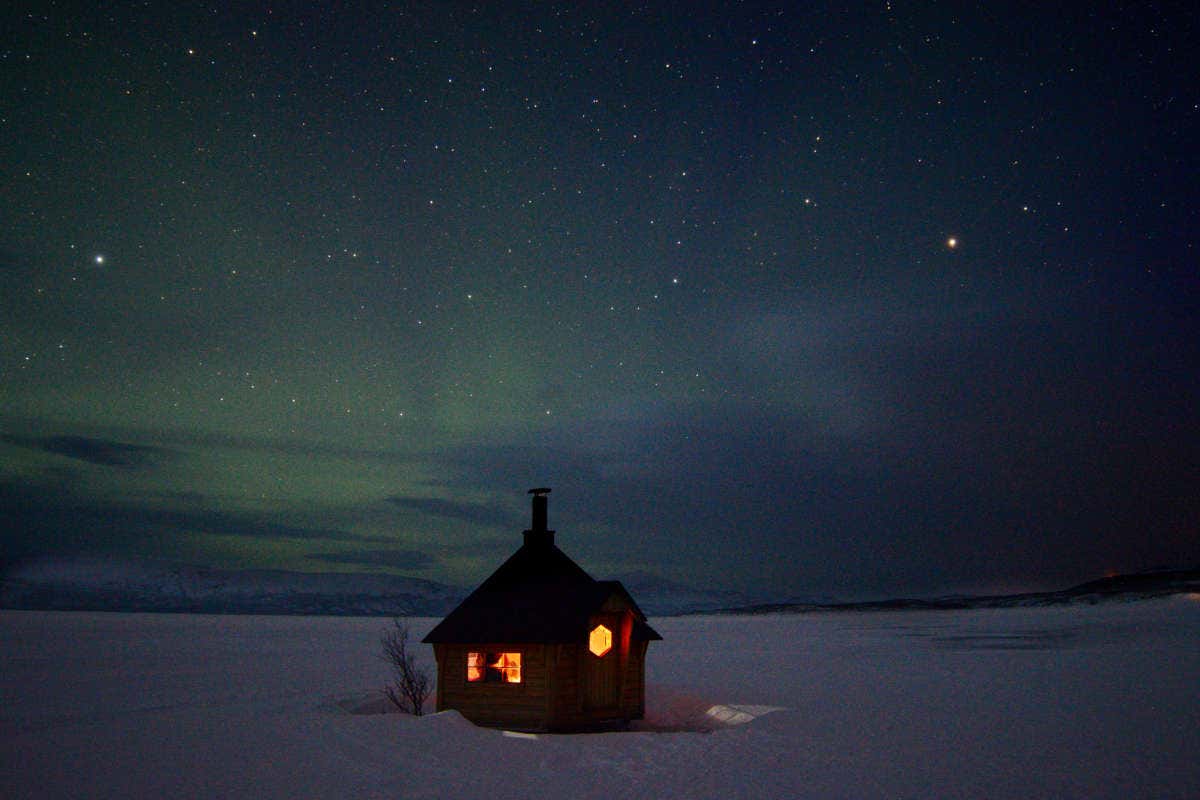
(99, 259)
(952, 243)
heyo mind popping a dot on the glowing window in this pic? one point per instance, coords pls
(493, 667)
(474, 667)
(600, 640)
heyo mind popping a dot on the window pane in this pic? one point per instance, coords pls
(474, 667)
(600, 640)
(504, 667)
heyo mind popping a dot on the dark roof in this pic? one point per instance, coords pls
(538, 595)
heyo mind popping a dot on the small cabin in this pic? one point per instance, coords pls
(541, 645)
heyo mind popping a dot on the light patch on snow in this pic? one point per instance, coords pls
(519, 735)
(739, 714)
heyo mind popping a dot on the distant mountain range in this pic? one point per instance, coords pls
(100, 584)
(660, 597)
(1137, 586)
(110, 585)
(97, 584)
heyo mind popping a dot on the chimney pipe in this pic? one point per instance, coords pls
(538, 533)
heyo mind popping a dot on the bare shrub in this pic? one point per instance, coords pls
(410, 684)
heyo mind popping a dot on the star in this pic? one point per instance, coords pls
(98, 259)
(952, 242)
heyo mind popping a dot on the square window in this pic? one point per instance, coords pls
(493, 667)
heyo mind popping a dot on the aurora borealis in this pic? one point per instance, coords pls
(316, 288)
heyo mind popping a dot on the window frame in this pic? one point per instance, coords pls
(493, 675)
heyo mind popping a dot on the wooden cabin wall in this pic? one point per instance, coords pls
(565, 710)
(568, 709)
(633, 692)
(632, 676)
(551, 693)
(511, 705)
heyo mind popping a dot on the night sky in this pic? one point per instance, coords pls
(881, 299)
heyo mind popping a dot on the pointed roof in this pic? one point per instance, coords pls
(538, 595)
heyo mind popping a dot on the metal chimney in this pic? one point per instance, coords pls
(538, 533)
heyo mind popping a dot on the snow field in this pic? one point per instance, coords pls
(1097, 701)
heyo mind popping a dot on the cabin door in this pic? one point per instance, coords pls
(602, 664)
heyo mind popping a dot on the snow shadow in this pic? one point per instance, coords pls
(364, 703)
(1020, 640)
(667, 711)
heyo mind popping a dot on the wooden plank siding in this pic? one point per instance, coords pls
(633, 698)
(566, 701)
(602, 674)
(512, 704)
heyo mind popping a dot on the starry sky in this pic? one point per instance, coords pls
(800, 299)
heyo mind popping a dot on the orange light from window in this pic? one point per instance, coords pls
(600, 640)
(509, 665)
(492, 667)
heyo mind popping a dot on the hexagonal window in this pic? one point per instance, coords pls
(600, 640)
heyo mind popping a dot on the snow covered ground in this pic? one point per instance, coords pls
(1070, 702)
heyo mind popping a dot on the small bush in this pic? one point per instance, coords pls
(410, 684)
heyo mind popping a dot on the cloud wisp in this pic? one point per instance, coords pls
(103, 452)
(477, 513)
(398, 559)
